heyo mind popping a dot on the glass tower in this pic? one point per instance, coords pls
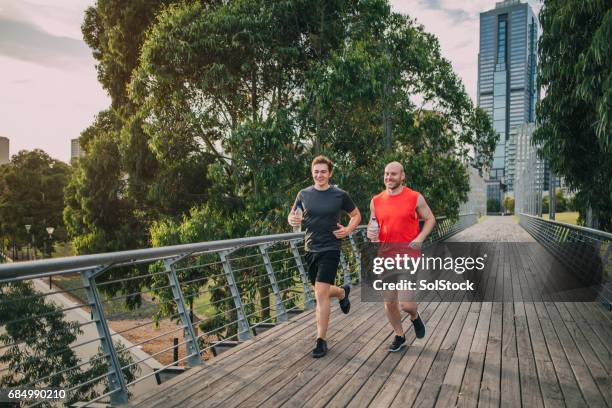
(507, 91)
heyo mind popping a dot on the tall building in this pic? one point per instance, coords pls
(4, 150)
(507, 89)
(75, 149)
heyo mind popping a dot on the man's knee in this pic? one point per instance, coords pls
(322, 290)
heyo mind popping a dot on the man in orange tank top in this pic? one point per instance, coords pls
(397, 211)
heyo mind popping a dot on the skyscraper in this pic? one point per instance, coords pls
(507, 90)
(4, 150)
(75, 149)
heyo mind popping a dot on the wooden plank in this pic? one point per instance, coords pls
(431, 387)
(600, 350)
(510, 385)
(531, 395)
(362, 383)
(449, 389)
(206, 376)
(577, 366)
(253, 345)
(346, 373)
(552, 394)
(569, 386)
(355, 374)
(280, 357)
(575, 353)
(490, 385)
(412, 384)
(291, 362)
(324, 384)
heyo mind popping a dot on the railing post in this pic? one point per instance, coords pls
(244, 332)
(193, 350)
(345, 269)
(115, 374)
(308, 295)
(281, 314)
(356, 254)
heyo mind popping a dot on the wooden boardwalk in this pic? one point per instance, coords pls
(531, 354)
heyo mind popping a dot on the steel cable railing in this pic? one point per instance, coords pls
(585, 251)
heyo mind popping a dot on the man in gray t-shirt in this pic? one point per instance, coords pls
(322, 205)
(321, 216)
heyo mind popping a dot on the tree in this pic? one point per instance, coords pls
(36, 347)
(138, 182)
(574, 116)
(31, 192)
(509, 205)
(493, 205)
(262, 87)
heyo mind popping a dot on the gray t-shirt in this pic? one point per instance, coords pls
(321, 214)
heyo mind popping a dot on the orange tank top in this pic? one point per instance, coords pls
(396, 216)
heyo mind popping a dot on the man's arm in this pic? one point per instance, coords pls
(369, 233)
(292, 218)
(424, 213)
(342, 232)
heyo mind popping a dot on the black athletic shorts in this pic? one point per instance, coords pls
(322, 266)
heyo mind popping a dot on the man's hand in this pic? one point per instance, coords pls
(371, 234)
(341, 232)
(293, 219)
(416, 244)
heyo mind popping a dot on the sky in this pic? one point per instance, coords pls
(49, 91)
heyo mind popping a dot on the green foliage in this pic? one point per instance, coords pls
(114, 30)
(31, 192)
(509, 205)
(38, 353)
(493, 205)
(574, 115)
(561, 203)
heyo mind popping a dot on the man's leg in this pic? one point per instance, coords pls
(394, 317)
(323, 293)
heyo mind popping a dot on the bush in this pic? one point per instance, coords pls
(493, 205)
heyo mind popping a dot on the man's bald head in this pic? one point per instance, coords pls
(395, 166)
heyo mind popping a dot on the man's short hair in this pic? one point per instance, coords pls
(322, 160)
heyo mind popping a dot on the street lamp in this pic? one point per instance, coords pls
(50, 250)
(27, 227)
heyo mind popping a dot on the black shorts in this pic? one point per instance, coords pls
(322, 266)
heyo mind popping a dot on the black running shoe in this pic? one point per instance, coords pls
(345, 304)
(419, 327)
(398, 344)
(320, 350)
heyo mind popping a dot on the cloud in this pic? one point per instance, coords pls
(62, 18)
(27, 42)
(456, 25)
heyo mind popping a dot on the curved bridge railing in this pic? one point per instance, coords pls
(96, 327)
(585, 250)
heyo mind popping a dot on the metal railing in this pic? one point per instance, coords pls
(585, 250)
(155, 308)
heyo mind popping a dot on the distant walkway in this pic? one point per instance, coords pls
(494, 229)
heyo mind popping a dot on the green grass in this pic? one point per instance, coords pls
(566, 217)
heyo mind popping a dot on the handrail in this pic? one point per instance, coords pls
(603, 234)
(582, 249)
(62, 265)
